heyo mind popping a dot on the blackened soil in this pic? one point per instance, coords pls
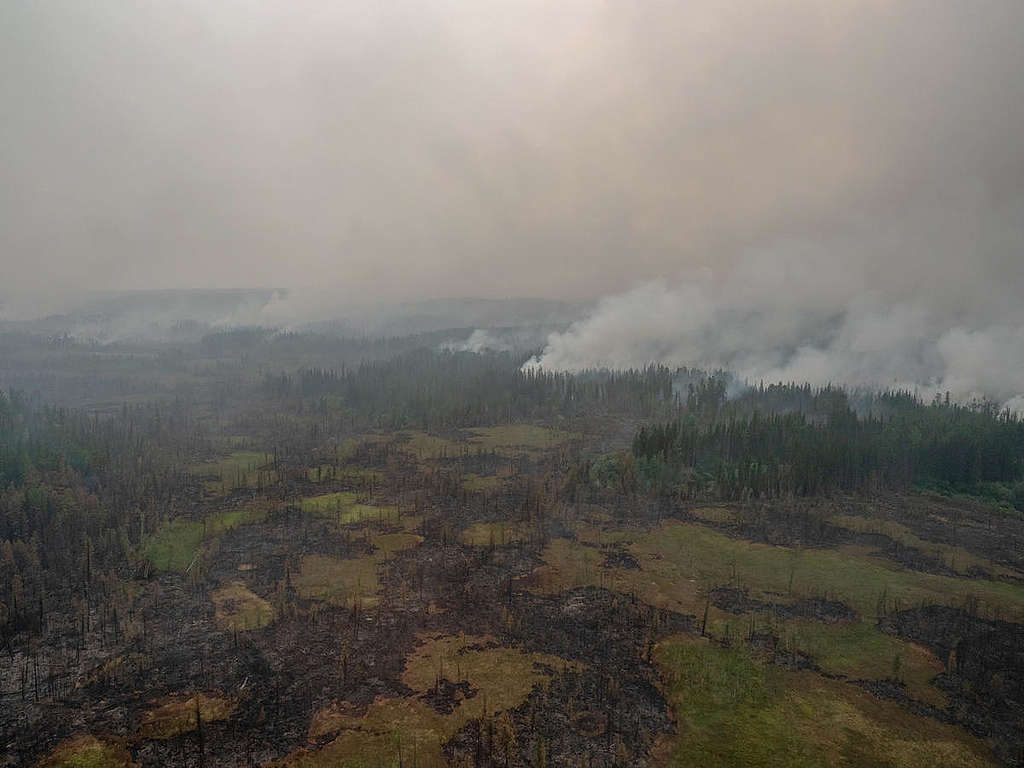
(445, 696)
(984, 670)
(738, 601)
(895, 690)
(579, 718)
(620, 558)
(807, 523)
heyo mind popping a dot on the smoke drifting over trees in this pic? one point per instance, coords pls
(804, 319)
(830, 191)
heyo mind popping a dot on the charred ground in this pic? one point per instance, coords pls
(437, 558)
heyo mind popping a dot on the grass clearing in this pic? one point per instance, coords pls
(519, 439)
(327, 473)
(425, 446)
(506, 674)
(733, 710)
(346, 507)
(390, 544)
(348, 581)
(715, 515)
(509, 440)
(178, 715)
(957, 558)
(676, 558)
(408, 730)
(88, 752)
(859, 651)
(177, 543)
(325, 505)
(680, 561)
(237, 607)
(473, 482)
(239, 469)
(498, 534)
(336, 581)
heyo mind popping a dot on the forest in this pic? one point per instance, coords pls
(249, 547)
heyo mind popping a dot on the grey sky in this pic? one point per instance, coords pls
(513, 147)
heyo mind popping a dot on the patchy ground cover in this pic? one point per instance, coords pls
(239, 608)
(956, 558)
(733, 709)
(519, 439)
(181, 714)
(353, 580)
(474, 482)
(676, 558)
(498, 534)
(88, 752)
(714, 514)
(508, 441)
(345, 507)
(681, 563)
(177, 544)
(239, 469)
(453, 680)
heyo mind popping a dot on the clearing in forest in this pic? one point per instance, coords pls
(733, 709)
(177, 715)
(454, 679)
(88, 752)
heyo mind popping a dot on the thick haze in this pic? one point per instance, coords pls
(842, 171)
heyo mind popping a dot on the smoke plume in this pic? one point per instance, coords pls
(933, 325)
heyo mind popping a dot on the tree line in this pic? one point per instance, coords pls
(795, 440)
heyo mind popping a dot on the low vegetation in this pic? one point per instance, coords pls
(431, 558)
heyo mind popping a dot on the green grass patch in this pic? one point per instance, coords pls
(426, 446)
(236, 607)
(495, 534)
(177, 543)
(511, 440)
(859, 651)
(88, 752)
(472, 482)
(328, 504)
(345, 507)
(957, 558)
(518, 439)
(677, 559)
(392, 731)
(239, 469)
(338, 581)
(715, 515)
(734, 710)
(353, 580)
(679, 562)
(177, 715)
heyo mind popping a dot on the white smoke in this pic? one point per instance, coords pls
(478, 342)
(817, 325)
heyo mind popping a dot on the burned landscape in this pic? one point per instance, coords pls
(440, 558)
(511, 384)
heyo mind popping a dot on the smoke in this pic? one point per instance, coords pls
(882, 321)
(478, 342)
(393, 152)
(525, 338)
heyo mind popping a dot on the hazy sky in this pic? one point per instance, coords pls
(521, 147)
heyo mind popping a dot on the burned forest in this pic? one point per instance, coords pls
(511, 384)
(266, 549)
